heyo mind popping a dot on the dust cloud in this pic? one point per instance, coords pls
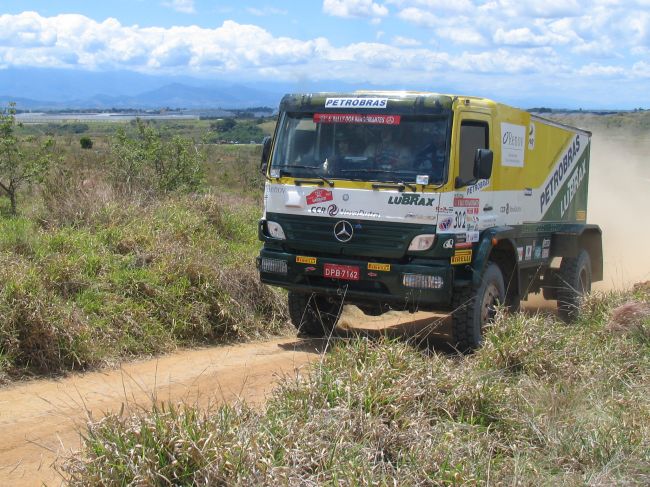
(619, 201)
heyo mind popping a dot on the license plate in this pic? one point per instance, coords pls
(346, 272)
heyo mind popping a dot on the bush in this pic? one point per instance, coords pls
(86, 143)
(147, 162)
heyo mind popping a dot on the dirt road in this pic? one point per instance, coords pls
(40, 420)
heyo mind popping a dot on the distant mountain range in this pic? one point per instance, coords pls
(58, 89)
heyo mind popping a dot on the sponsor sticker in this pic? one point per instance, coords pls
(303, 259)
(472, 236)
(508, 208)
(529, 252)
(545, 253)
(512, 144)
(546, 243)
(377, 266)
(520, 253)
(357, 118)
(531, 136)
(537, 253)
(448, 244)
(565, 165)
(445, 224)
(581, 215)
(462, 257)
(319, 196)
(480, 184)
(366, 102)
(460, 201)
(413, 199)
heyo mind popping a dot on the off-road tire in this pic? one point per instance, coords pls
(313, 315)
(574, 283)
(474, 308)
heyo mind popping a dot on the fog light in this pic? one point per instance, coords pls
(275, 266)
(423, 282)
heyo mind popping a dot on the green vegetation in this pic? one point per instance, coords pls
(542, 403)
(23, 160)
(86, 142)
(229, 130)
(141, 245)
(149, 162)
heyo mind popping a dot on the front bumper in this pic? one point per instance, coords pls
(378, 282)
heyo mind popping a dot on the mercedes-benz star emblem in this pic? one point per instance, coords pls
(343, 231)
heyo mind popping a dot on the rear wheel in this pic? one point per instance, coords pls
(574, 283)
(475, 308)
(313, 315)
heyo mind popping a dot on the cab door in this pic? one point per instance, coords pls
(473, 200)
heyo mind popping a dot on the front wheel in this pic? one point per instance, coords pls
(574, 283)
(475, 308)
(313, 315)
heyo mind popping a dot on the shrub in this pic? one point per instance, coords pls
(86, 142)
(148, 162)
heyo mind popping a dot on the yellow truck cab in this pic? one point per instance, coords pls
(424, 201)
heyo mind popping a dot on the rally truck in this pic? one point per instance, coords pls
(424, 201)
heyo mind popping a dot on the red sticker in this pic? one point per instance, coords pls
(466, 202)
(319, 196)
(357, 118)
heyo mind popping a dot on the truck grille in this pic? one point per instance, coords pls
(370, 238)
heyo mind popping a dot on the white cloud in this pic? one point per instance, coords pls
(600, 70)
(183, 6)
(641, 69)
(461, 35)
(405, 41)
(419, 17)
(266, 11)
(354, 8)
(447, 6)
(542, 51)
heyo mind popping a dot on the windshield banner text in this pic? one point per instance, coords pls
(357, 118)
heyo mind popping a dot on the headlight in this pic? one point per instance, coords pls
(422, 242)
(275, 230)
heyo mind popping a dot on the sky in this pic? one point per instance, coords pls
(561, 53)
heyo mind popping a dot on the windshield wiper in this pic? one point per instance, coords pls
(301, 166)
(316, 179)
(399, 185)
(310, 179)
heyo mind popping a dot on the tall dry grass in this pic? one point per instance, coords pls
(542, 403)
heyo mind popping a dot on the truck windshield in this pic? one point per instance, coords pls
(369, 147)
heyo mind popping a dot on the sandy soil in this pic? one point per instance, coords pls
(41, 419)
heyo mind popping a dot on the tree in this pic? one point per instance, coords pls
(223, 125)
(147, 161)
(23, 161)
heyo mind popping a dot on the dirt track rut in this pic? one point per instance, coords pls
(42, 419)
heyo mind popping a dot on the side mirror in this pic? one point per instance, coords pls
(266, 152)
(483, 163)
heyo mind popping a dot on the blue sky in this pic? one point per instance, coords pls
(558, 52)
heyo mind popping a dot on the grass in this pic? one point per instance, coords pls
(542, 403)
(131, 280)
(90, 276)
